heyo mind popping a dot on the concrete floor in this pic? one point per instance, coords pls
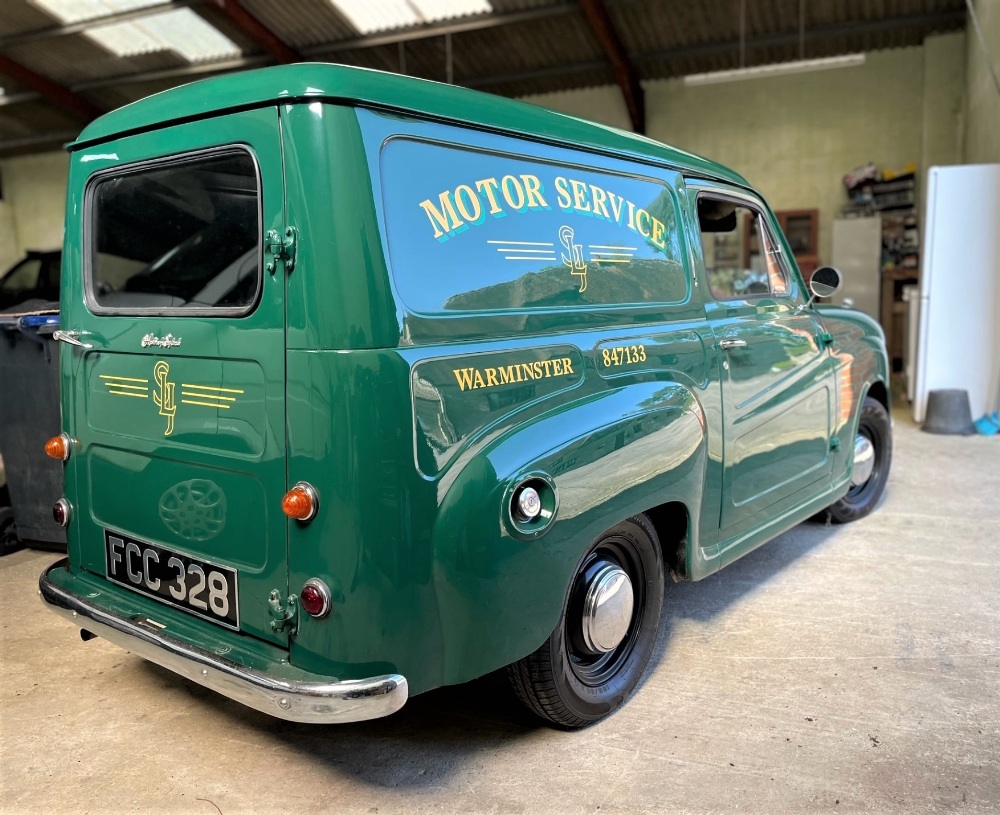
(837, 669)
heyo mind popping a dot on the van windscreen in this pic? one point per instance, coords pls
(177, 237)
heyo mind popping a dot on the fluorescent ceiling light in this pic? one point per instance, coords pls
(367, 16)
(778, 69)
(178, 30)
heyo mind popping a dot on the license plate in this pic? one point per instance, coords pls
(197, 586)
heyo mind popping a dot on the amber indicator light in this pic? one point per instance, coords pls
(300, 502)
(58, 447)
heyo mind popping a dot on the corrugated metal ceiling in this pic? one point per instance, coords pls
(522, 47)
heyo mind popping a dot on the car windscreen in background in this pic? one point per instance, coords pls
(477, 231)
(179, 237)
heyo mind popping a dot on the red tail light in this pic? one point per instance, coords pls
(315, 598)
(61, 512)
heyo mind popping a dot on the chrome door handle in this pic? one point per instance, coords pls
(71, 337)
(725, 345)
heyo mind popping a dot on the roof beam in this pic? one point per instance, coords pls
(29, 144)
(18, 98)
(596, 14)
(266, 39)
(53, 91)
(83, 25)
(194, 71)
(369, 41)
(946, 20)
(421, 32)
(407, 35)
(951, 19)
(937, 21)
(565, 69)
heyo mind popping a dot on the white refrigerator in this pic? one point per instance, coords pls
(959, 331)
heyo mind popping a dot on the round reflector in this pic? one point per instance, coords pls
(300, 502)
(58, 447)
(315, 598)
(61, 512)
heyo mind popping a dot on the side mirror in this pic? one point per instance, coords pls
(824, 282)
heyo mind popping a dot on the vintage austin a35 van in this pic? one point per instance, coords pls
(372, 385)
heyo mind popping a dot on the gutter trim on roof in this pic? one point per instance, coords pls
(642, 158)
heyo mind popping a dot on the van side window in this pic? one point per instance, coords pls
(181, 236)
(732, 235)
(475, 231)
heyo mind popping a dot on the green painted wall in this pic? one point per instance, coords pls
(982, 126)
(795, 136)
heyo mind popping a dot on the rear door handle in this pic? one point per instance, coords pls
(725, 345)
(71, 337)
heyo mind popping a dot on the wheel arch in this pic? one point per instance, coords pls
(878, 391)
(672, 522)
(598, 452)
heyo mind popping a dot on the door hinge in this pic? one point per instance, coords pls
(824, 338)
(281, 248)
(285, 617)
(834, 443)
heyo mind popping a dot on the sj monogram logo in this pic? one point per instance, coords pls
(164, 393)
(163, 396)
(573, 256)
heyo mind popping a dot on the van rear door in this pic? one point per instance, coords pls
(174, 391)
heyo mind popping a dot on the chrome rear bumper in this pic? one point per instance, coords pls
(330, 702)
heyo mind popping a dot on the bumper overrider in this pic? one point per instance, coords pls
(306, 700)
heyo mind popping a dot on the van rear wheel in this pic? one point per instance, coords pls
(594, 658)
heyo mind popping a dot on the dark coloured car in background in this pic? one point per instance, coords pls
(36, 277)
(29, 305)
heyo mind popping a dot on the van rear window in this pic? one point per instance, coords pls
(476, 231)
(180, 236)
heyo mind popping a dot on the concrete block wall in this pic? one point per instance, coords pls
(982, 127)
(34, 206)
(9, 250)
(982, 130)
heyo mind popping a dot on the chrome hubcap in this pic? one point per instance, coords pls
(864, 460)
(607, 609)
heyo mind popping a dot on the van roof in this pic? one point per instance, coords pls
(338, 83)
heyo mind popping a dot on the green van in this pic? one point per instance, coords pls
(372, 385)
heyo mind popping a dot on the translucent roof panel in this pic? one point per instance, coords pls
(367, 16)
(179, 30)
(73, 11)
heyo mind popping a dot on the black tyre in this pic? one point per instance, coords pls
(873, 456)
(595, 657)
